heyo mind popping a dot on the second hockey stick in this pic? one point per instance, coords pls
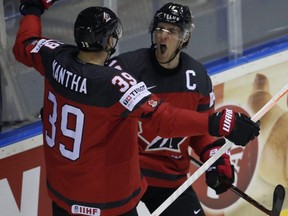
(217, 155)
(278, 196)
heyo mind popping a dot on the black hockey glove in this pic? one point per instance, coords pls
(29, 6)
(220, 176)
(236, 127)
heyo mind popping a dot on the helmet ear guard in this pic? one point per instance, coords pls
(186, 37)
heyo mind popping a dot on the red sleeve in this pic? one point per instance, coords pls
(30, 27)
(198, 143)
(168, 121)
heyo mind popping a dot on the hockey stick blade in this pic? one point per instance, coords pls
(278, 199)
(278, 196)
(217, 155)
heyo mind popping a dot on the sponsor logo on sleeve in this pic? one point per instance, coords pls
(38, 46)
(134, 95)
(51, 44)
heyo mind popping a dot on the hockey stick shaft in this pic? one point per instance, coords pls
(240, 193)
(217, 155)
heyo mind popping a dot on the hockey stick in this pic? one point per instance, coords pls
(278, 196)
(217, 155)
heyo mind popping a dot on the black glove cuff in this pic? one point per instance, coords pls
(214, 124)
(31, 9)
(219, 142)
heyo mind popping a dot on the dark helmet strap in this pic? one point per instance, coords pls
(112, 50)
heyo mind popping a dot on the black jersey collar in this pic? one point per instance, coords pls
(161, 70)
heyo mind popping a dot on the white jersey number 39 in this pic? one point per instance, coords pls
(75, 134)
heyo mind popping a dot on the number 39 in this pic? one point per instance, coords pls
(75, 134)
(125, 83)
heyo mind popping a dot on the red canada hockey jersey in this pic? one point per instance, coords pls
(165, 162)
(90, 121)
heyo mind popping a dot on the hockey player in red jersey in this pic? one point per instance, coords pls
(182, 81)
(91, 112)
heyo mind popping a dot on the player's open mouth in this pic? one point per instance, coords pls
(163, 48)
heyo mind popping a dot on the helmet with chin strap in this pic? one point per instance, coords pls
(94, 26)
(177, 15)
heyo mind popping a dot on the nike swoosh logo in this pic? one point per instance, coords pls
(197, 211)
(150, 87)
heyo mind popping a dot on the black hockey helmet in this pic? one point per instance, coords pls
(93, 27)
(174, 14)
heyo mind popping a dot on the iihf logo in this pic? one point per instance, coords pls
(85, 210)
